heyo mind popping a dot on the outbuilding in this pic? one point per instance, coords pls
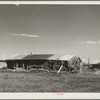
(44, 61)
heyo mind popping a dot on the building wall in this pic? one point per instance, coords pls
(10, 64)
(45, 64)
(42, 64)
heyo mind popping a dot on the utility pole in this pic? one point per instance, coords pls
(89, 62)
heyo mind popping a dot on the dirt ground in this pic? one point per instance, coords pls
(37, 81)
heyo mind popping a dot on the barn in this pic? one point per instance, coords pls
(44, 61)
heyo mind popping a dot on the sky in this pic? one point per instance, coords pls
(60, 29)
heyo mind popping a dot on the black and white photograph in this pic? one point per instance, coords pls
(49, 48)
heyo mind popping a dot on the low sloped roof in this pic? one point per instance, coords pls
(42, 57)
(38, 56)
(55, 57)
(17, 57)
(66, 57)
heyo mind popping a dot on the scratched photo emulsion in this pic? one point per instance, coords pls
(50, 48)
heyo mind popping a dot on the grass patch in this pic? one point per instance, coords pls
(48, 82)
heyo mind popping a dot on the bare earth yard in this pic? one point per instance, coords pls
(48, 82)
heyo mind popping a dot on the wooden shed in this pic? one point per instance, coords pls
(43, 61)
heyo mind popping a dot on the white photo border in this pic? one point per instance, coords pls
(49, 95)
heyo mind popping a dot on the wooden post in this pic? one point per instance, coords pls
(17, 65)
(27, 67)
(23, 65)
(60, 68)
(81, 68)
(46, 66)
(14, 66)
(41, 66)
(53, 67)
(69, 67)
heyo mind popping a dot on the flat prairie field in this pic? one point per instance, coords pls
(38, 81)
